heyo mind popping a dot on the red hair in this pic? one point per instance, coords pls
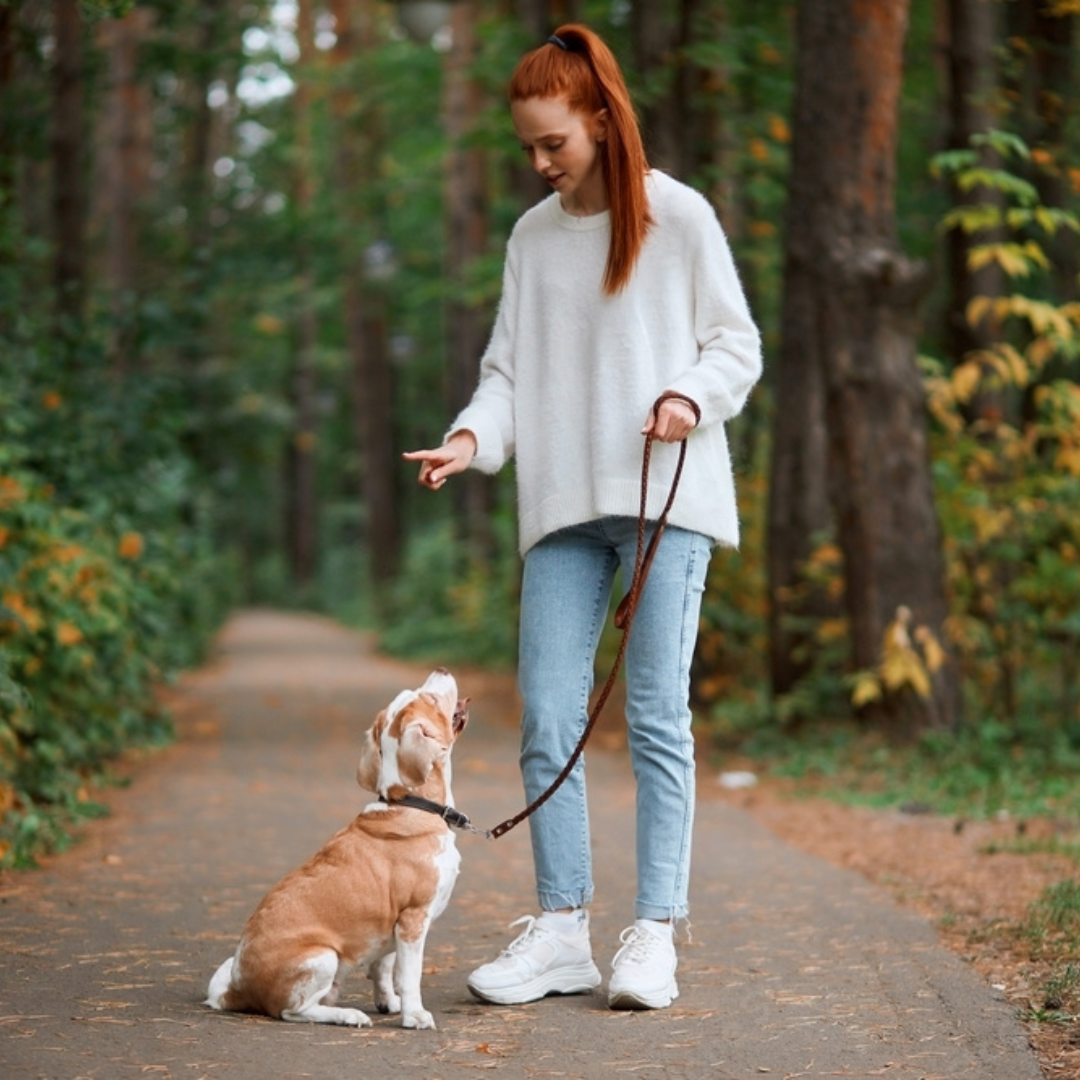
(587, 75)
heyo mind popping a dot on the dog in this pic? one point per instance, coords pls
(370, 895)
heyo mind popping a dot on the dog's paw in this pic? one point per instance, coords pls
(388, 1003)
(353, 1018)
(418, 1019)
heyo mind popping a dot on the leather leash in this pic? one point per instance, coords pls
(624, 614)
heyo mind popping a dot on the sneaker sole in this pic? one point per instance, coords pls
(629, 999)
(574, 980)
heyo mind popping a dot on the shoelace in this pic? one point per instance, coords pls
(638, 946)
(527, 937)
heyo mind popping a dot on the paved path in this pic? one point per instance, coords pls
(795, 969)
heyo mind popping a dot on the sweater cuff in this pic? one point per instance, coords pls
(490, 456)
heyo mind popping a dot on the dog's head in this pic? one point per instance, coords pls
(411, 738)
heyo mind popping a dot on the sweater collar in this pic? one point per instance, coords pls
(577, 224)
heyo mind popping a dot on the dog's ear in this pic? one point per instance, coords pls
(418, 751)
(370, 767)
(461, 716)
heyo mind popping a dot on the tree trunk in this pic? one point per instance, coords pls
(655, 28)
(7, 78)
(862, 301)
(302, 505)
(800, 512)
(466, 217)
(971, 89)
(69, 178)
(372, 383)
(126, 160)
(212, 41)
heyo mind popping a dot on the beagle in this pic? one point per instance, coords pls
(370, 895)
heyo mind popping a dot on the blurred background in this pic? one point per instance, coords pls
(250, 252)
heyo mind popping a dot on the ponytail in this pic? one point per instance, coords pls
(576, 64)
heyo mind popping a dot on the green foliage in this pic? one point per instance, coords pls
(108, 579)
(1007, 467)
(452, 608)
(979, 772)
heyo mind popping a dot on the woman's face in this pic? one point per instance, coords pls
(564, 148)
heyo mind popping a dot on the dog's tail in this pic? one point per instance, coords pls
(220, 985)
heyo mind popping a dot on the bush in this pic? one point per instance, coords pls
(108, 582)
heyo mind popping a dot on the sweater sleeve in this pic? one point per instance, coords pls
(729, 357)
(490, 413)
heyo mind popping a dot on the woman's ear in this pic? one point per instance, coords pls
(600, 125)
(369, 768)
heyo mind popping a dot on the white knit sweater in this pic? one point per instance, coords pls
(569, 375)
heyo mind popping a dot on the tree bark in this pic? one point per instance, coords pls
(302, 505)
(466, 219)
(371, 382)
(125, 173)
(69, 176)
(7, 78)
(972, 85)
(861, 304)
(655, 28)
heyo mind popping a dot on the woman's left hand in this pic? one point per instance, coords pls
(674, 420)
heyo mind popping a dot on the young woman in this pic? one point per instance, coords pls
(617, 288)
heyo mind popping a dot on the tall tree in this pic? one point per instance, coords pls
(972, 88)
(125, 171)
(856, 331)
(302, 505)
(358, 128)
(7, 78)
(466, 218)
(68, 159)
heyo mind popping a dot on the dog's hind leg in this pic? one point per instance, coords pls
(314, 984)
(382, 973)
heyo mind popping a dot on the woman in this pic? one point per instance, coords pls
(617, 288)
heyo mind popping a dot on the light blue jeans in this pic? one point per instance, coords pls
(564, 601)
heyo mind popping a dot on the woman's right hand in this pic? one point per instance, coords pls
(437, 466)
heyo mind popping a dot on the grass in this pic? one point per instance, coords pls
(978, 773)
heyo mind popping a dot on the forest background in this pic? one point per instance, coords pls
(250, 252)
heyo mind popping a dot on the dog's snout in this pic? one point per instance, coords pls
(444, 686)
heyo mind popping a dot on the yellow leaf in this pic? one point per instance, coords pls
(933, 653)
(27, 615)
(965, 380)
(268, 324)
(866, 689)
(1068, 459)
(68, 634)
(131, 546)
(778, 128)
(11, 491)
(902, 667)
(978, 308)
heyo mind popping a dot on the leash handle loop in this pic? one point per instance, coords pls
(624, 614)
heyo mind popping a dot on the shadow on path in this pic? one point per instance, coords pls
(794, 968)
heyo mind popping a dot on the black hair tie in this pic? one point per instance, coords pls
(556, 40)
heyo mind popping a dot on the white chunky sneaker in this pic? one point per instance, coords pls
(541, 960)
(643, 971)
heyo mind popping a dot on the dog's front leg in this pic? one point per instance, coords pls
(409, 935)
